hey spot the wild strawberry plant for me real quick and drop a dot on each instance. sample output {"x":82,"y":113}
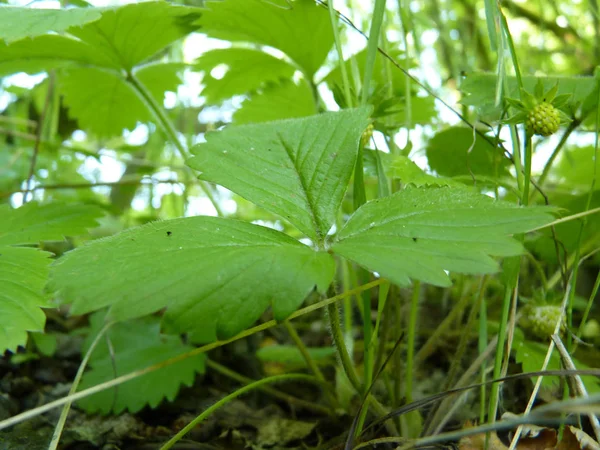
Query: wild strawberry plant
{"x":298,"y":156}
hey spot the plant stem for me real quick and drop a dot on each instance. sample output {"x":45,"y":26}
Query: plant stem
{"x":268,"y":390}
{"x":338,"y":339}
{"x":67,"y":406}
{"x":338,"y":47}
{"x":255,"y":385}
{"x":372,"y":46}
{"x":528,"y":150}
{"x":412,"y":332}
{"x":169,"y":129}
{"x":310,"y":362}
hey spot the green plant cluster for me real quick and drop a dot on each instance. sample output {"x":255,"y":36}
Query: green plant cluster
{"x":316,"y":201}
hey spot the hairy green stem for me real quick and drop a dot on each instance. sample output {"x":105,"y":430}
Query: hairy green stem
{"x":338,"y":339}
{"x":169,"y":129}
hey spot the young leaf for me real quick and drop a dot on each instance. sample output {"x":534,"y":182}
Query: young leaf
{"x":246,"y":70}
{"x":296,"y":168}
{"x":24,"y":270}
{"x":22,"y":22}
{"x":284,"y":100}
{"x":216,"y":276}
{"x":136,"y":345}
{"x":302,"y":31}
{"x":419,"y":233}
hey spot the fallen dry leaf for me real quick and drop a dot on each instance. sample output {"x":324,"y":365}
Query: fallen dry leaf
{"x":533,"y":438}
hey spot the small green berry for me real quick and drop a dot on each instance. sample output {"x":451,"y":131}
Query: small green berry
{"x":543,"y":119}
{"x":366,"y":136}
{"x":541,"y":320}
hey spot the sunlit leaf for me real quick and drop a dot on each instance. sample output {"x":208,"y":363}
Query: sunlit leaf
{"x":302,"y":30}
{"x":213,"y":275}
{"x":420,"y":233}
{"x":296,"y":168}
{"x":21,"y":22}
{"x":131,"y":34}
{"x":284,"y":100}
{"x":245,"y":70}
{"x":108,"y":108}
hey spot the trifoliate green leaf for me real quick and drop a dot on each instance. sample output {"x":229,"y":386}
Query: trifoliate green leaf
{"x":93,"y":68}
{"x":246,"y":70}
{"x":301,"y":29}
{"x":136,"y":345}
{"x":420,"y":233}
{"x":24,"y":270}
{"x":213,"y":275}
{"x":296,"y":168}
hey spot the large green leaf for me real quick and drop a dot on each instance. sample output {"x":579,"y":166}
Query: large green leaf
{"x":297,"y":168}
{"x":24,"y":270}
{"x":247,"y":70}
{"x":135,"y":345}
{"x":18,"y":23}
{"x":131,"y":34}
{"x":420,"y":233}
{"x":48,"y":52}
{"x":300,"y":29}
{"x":458,"y":151}
{"x":215,"y":276}
{"x":284,"y":100}
{"x":107,"y":108}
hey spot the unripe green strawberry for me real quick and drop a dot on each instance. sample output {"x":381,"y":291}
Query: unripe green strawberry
{"x":366,"y":136}
{"x":541,"y":320}
{"x":543,"y":119}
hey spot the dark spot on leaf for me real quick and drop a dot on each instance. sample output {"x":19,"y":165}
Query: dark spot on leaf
{"x":169,"y":233}
{"x":414,"y":239}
